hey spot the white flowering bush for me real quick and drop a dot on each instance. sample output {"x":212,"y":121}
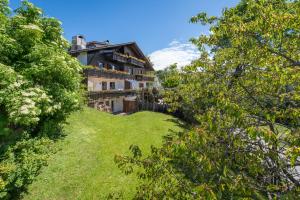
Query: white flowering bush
{"x":40,"y":85}
{"x":24,"y":105}
{"x":39,"y":82}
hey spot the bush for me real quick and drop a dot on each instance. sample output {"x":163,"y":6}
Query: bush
{"x":39,"y":80}
{"x":21,"y":163}
{"x":40,"y":85}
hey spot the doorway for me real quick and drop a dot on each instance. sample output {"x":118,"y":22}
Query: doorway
{"x":112,"y":106}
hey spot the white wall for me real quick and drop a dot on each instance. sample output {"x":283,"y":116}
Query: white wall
{"x":136,"y":84}
{"x":120,"y":84}
{"x":90,"y":85}
{"x":95,"y":84}
{"x":118,"y":104}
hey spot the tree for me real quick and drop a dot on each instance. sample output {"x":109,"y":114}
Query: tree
{"x":40,"y":82}
{"x":245,"y":105}
{"x":169,"y":77}
{"x":40,"y":85}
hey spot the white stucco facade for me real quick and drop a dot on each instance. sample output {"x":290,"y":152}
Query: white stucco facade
{"x":112,"y":104}
{"x":95,"y":84}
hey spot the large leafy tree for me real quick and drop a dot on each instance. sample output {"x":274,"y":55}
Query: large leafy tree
{"x":243,"y":95}
{"x":39,"y":81}
{"x":167,"y":77}
{"x":40,"y":84}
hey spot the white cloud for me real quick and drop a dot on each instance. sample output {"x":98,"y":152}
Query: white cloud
{"x":177,"y":52}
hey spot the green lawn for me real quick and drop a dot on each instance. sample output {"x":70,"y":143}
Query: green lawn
{"x":84,"y":167}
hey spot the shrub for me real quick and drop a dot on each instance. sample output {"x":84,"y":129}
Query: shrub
{"x":39,"y":80}
{"x":40,"y":85}
{"x":20,"y":164}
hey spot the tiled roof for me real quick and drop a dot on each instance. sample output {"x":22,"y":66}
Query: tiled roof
{"x":107,"y":46}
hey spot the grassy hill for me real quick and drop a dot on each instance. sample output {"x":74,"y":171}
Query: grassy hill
{"x":84,"y":167}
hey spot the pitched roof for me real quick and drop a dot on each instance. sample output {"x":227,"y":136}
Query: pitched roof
{"x":104,"y":46}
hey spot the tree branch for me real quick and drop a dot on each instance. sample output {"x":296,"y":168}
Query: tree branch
{"x":294,"y":63}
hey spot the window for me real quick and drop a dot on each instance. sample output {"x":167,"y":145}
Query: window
{"x":112,"y":85}
{"x":141,"y":85}
{"x":104,"y":86}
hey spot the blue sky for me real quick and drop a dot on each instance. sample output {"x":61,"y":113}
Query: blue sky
{"x":154,"y":24}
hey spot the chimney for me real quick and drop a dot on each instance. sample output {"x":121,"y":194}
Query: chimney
{"x":78,"y":42}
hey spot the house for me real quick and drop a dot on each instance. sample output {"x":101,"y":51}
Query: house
{"x":116,"y":73}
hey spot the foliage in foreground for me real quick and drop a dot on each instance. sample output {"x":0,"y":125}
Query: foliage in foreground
{"x":243,"y":97}
{"x":40,"y":82}
{"x":39,"y":87}
{"x":21,"y":164}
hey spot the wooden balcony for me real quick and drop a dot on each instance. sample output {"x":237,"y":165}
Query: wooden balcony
{"x":136,"y":62}
{"x":141,"y":77}
{"x":118,"y":57}
{"x":148,"y":78}
{"x":107,"y":74}
{"x":93,"y":96}
{"x":150,"y":73}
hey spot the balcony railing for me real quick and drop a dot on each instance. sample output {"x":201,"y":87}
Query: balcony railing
{"x":148,"y":78}
{"x":92,"y":96}
{"x":108,"y":74}
{"x":150,"y":73}
{"x":114,"y":74}
{"x":136,"y":62}
{"x":142,"y":77}
{"x":122,"y":58}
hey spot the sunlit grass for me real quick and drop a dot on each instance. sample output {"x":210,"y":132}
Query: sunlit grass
{"x":84,"y":168}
